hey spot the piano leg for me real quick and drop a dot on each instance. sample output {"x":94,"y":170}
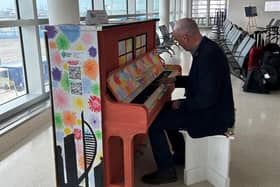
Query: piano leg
{"x":113,"y":161}
{"x":128,"y":161}
{"x":119,"y":160}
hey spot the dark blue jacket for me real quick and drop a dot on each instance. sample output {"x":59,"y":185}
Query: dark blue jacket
{"x":209,"y":103}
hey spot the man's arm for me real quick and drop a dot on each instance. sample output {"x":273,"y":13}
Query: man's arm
{"x":208,"y":86}
{"x":181,"y":81}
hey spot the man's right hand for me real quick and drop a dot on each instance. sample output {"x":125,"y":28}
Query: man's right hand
{"x":167,"y":81}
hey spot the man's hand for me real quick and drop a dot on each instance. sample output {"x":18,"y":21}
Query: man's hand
{"x":167,"y":81}
{"x":175,"y":105}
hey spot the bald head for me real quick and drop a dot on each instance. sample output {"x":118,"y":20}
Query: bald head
{"x":186,"y":32}
{"x":186,"y":26}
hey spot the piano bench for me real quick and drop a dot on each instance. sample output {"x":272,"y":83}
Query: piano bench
{"x":207,"y":159}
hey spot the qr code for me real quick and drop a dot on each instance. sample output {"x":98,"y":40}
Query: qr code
{"x":74,"y":72}
{"x":76,"y":88}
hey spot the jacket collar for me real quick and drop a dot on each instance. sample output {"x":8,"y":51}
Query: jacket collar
{"x":196,"y":50}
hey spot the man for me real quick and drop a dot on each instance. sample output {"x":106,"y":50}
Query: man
{"x":208,"y":108}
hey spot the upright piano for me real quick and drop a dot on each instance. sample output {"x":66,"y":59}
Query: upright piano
{"x":132,"y":95}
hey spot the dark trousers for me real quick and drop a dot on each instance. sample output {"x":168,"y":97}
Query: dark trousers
{"x":170,"y":121}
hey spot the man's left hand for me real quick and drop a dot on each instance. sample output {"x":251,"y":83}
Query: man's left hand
{"x":175,"y":105}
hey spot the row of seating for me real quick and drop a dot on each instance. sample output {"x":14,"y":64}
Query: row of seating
{"x":236,"y":43}
{"x":268,"y":34}
{"x":165,"y":43}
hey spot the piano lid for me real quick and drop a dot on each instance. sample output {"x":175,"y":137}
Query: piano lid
{"x":128,"y":81}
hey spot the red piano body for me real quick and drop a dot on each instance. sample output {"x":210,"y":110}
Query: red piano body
{"x":123,"y":50}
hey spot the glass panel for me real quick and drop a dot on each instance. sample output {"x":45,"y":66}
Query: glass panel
{"x":115,"y":7}
{"x":8,"y":10}
{"x":217,"y":6}
{"x":140,"y":6}
{"x":42,"y":8}
{"x":44,"y":58}
{"x":156,"y":5}
{"x":84,"y":5}
{"x":199,"y":8}
{"x":12,"y":80}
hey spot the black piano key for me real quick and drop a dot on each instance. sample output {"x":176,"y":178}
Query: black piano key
{"x":144,"y":95}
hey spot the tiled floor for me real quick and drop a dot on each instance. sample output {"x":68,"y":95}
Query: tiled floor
{"x":254,"y":153}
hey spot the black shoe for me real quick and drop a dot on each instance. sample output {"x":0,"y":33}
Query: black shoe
{"x":178,"y":159}
{"x":161,"y":176}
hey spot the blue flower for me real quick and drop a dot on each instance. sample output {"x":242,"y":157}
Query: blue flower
{"x":86,"y":85}
{"x":71,"y":32}
{"x":51,"y":31}
{"x":56,"y":73}
{"x":92,"y":51}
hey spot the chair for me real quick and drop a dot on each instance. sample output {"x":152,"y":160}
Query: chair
{"x":166,"y":36}
{"x":160,"y":47}
{"x":237,"y":62}
{"x":208,"y":159}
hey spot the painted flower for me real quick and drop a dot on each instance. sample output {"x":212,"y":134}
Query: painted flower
{"x":65,"y":83}
{"x":69,"y":118}
{"x":87,"y":38}
{"x":51,"y":31}
{"x":98,"y":134}
{"x":80,"y":47}
{"x":79,"y":103}
{"x":52,"y":45}
{"x":94,"y":103}
{"x":60,"y":99}
{"x":95,"y":89}
{"x":77,"y":134}
{"x":62,"y":42}
{"x":94,"y":121}
{"x":58,"y":120}
{"x":79,"y":122}
{"x":56,"y":58}
{"x":67,"y":131}
{"x":56,"y":73}
{"x":86,"y":85}
{"x":91,"y":69}
{"x":92,"y":51}
{"x":65,"y":67}
{"x":71,"y":32}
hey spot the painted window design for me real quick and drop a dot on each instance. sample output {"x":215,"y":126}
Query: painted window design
{"x":140,"y":44}
{"x":125,"y":51}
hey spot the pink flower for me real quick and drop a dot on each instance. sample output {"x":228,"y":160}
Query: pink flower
{"x":56,"y":58}
{"x":94,"y":103}
{"x":87,"y":38}
{"x":60,"y":99}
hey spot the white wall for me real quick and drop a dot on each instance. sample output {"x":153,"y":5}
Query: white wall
{"x":236,"y":12}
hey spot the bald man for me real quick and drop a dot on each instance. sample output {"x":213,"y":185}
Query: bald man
{"x":207,"y":110}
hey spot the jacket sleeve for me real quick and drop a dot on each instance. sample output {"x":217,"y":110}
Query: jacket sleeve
{"x":182,"y":81}
{"x":208,"y":85}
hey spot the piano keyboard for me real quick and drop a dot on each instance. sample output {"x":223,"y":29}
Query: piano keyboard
{"x":154,"y":91}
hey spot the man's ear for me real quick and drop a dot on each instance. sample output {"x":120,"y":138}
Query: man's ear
{"x":185,"y":37}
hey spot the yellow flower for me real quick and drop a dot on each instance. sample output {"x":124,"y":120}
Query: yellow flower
{"x":79,"y":122}
{"x":80,"y":47}
{"x":65,"y":66}
{"x":79,"y":103}
{"x":67,"y":131}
